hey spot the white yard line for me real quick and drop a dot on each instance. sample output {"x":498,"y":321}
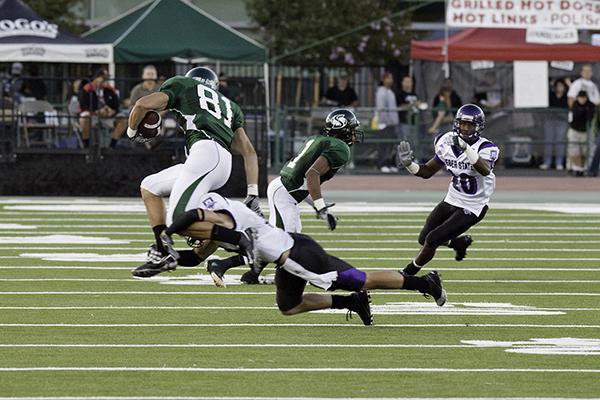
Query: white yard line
{"x":554,"y":281}
{"x":212,"y":308}
{"x":238,"y":370}
{"x":218,"y":292}
{"x":238,"y":345}
{"x":285,"y":398}
{"x":107,"y":259}
{"x":307,"y":325}
{"x":352,"y":249}
{"x":82,"y":267}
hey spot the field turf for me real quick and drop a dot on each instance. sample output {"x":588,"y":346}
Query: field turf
{"x":523,"y":318}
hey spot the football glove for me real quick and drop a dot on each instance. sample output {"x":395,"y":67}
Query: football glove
{"x":253,"y":203}
{"x":456,"y":140}
{"x":325,"y":215}
{"x":405,"y":154}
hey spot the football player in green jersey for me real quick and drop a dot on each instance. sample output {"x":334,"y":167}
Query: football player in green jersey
{"x":213,"y":128}
{"x":319,"y":159}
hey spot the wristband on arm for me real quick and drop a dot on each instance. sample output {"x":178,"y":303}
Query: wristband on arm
{"x":252,"y":190}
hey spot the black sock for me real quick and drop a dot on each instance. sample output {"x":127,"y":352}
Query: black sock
{"x":226,"y":235}
{"x":113,"y":143}
{"x":341,"y":302}
{"x":188,"y":258}
{"x":411,"y":269}
{"x":415,"y":283}
{"x":232,"y":262}
{"x":157,"y":231}
{"x":86,"y":143}
{"x":182,"y":222}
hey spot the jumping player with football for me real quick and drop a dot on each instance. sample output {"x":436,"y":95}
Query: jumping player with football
{"x":213,"y":128}
{"x":299,"y":259}
{"x":300,"y":179}
{"x":470,"y":159}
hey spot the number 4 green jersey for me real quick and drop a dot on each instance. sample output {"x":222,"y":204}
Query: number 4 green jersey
{"x":336,"y":151}
{"x":202,"y":112}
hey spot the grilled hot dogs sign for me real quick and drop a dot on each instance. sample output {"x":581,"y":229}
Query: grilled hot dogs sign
{"x":579,"y":14}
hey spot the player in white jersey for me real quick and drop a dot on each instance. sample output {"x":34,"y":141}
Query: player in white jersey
{"x":299,"y":260}
{"x":470,"y":159}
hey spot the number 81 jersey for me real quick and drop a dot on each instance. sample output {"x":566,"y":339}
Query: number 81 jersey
{"x":202,"y":112}
{"x":468,"y":189}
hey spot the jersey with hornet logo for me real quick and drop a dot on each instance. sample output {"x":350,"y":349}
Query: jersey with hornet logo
{"x":336,"y":151}
{"x":468,"y":189}
{"x":202,"y":112}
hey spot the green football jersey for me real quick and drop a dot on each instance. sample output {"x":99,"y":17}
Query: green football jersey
{"x":202,"y":112}
{"x":336,"y":151}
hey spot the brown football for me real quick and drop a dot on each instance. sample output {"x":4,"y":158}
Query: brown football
{"x":150,"y":125}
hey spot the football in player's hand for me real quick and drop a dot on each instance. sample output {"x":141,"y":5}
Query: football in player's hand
{"x":150,"y":125}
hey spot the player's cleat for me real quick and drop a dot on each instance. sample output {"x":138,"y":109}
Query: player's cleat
{"x":167,"y":243}
{"x":435,"y":289}
{"x":156,"y":263}
{"x":246,"y":245}
{"x":250,"y":278}
{"x":217,"y":272}
{"x":460,"y":246}
{"x":361,"y":306}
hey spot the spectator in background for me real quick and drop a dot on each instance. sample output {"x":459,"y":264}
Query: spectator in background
{"x":444,"y":104}
{"x":340,"y":95}
{"x":580,"y":115}
{"x":73,"y":106}
{"x":584,"y":84}
{"x":100,"y":104}
{"x":231,"y":92}
{"x":146,"y":87}
{"x":386,"y":112}
{"x":556,"y":126}
{"x":14,"y":86}
{"x":34,"y":86}
{"x":407,"y":102}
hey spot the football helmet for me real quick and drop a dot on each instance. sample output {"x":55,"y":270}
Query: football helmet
{"x":343,"y":124}
{"x":469,"y":122}
{"x":204,"y":75}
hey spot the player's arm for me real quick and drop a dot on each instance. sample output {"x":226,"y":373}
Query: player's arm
{"x":406,"y":159}
{"x":313,"y":183}
{"x":155,"y":101}
{"x":480,"y":165}
{"x":242,"y":145}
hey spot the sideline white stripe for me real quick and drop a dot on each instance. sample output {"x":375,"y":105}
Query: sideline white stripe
{"x":242,"y":345}
{"x":555,"y":281}
{"x":400,"y":259}
{"x":207,"y":308}
{"x":91,"y":247}
{"x":188,"y":369}
{"x":217,"y":292}
{"x":291,"y":325}
{"x":362,"y":268}
{"x":292,"y":398}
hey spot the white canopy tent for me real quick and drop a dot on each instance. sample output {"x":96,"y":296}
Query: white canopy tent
{"x":27,"y":37}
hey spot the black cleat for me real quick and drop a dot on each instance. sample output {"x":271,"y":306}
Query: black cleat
{"x":217,"y":272}
{"x":460,"y":245}
{"x":435,"y":289}
{"x":361,"y":306}
{"x":247,"y":249}
{"x":156,"y":263}
{"x":250,"y":278}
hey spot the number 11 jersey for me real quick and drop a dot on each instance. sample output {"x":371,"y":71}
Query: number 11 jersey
{"x":468,"y":189}
{"x":202,"y":112}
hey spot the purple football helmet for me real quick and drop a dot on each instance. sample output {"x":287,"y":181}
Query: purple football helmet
{"x":469,"y":122}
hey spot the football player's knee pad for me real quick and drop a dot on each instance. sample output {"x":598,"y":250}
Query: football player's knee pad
{"x":286,"y":303}
{"x":351,"y":279}
{"x":435,"y":239}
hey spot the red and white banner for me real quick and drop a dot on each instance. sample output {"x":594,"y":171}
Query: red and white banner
{"x":578,"y":14}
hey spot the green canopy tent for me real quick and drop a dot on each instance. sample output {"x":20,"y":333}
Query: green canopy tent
{"x":159,"y":30}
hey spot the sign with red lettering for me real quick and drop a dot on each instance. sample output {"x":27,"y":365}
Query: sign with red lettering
{"x":578,"y":14}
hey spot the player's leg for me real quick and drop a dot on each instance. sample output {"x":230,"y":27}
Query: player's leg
{"x":120,"y":126}
{"x":85,"y":123}
{"x":438,"y":216}
{"x":449,"y":233}
{"x":207,"y":168}
{"x":429,"y":284}
{"x":284,"y":211}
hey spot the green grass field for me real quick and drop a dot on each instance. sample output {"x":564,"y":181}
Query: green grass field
{"x":74,"y":323}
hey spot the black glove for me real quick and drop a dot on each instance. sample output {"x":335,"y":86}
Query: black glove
{"x":253,"y":203}
{"x":325,"y":215}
